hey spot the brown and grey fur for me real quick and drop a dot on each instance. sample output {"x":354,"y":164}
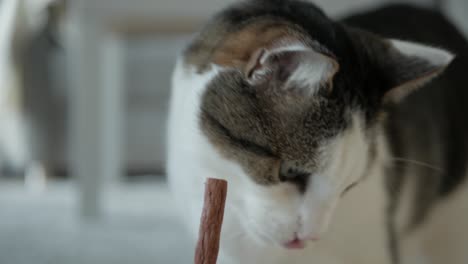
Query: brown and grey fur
{"x":427,"y":133}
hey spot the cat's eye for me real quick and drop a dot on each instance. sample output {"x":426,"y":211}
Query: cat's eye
{"x":292,"y":175}
{"x":289,"y":174}
{"x":253,"y":147}
{"x":241,"y":143}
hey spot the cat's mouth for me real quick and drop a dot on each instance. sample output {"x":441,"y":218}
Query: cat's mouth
{"x":295,"y":243}
{"x":299,"y":243}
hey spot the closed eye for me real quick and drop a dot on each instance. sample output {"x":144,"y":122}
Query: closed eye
{"x":239,"y":142}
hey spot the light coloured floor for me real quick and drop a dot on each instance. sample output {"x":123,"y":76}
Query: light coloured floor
{"x":139,"y":226}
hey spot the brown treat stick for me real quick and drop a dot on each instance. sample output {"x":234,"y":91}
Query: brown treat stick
{"x":211,"y":222}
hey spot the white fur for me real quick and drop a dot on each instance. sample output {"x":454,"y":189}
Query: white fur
{"x":347,"y":164}
{"x":259,"y":220}
{"x":435,"y":56}
{"x":313,"y":70}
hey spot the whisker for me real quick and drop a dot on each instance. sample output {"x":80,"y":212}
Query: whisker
{"x":257,"y":231}
{"x":419,"y":163}
{"x":234,"y":236}
{"x":235,"y":208}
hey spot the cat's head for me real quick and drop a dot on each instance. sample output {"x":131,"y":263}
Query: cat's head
{"x":298,"y":108}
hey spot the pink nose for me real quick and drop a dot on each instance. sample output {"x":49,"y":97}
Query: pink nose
{"x":295,"y":244}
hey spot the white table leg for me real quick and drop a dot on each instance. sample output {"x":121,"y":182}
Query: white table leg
{"x":95,"y":112}
{"x":112,"y":107}
{"x":85,"y":119}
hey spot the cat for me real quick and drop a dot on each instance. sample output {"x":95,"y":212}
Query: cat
{"x":341,"y":141}
{"x":28,"y":30}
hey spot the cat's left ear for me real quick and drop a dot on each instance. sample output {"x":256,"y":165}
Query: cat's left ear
{"x":291,"y":64}
{"x":408,"y":66}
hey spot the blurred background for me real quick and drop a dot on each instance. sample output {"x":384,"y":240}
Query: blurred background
{"x":83,"y":104}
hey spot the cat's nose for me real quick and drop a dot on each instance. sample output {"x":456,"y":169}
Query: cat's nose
{"x":294,"y":175}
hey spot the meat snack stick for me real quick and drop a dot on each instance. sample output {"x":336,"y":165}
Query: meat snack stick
{"x":211,"y":222}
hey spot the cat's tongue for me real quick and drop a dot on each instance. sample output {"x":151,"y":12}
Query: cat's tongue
{"x":295,"y":244}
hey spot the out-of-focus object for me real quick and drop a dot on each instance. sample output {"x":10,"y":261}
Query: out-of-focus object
{"x":457,"y":10}
{"x":25,"y":36}
{"x":35,"y":178}
{"x":13,"y":31}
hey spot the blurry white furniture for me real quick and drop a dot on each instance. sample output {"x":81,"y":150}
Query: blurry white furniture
{"x":95,"y":106}
{"x":95,"y":42}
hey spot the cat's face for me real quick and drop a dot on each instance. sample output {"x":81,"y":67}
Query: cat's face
{"x":303,"y":153}
{"x":301,"y":123}
{"x":294,"y":143}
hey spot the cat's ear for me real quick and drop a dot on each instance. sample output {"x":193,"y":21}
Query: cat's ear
{"x":408,"y":66}
{"x":291,"y":66}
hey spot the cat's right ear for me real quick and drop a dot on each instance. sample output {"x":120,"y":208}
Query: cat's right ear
{"x":399,"y":67}
{"x":408,"y":66}
{"x":291,"y":66}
